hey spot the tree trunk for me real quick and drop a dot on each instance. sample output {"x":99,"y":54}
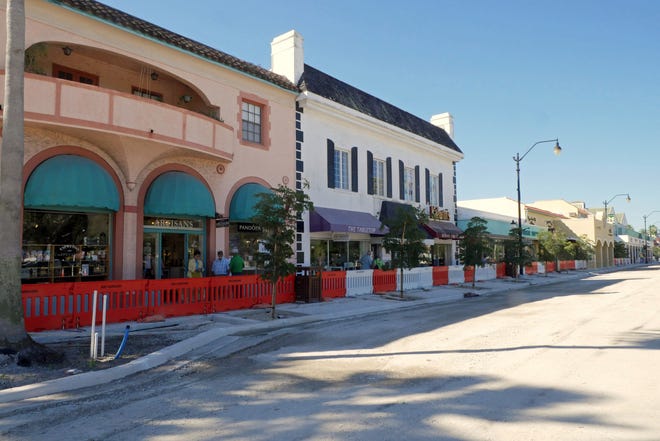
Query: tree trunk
{"x":12,"y":327}
{"x":273,"y":300}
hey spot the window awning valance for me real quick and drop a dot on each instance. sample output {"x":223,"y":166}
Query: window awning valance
{"x":178,"y":194}
{"x":67,"y":182}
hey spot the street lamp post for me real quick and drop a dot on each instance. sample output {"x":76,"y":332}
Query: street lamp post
{"x":646,"y":241}
{"x":611,"y":199}
{"x":518,"y":158}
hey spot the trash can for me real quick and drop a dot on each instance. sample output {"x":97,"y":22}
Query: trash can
{"x":308,"y":285}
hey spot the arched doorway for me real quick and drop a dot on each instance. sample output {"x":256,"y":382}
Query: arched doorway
{"x":176,"y":208}
{"x":244,"y":236}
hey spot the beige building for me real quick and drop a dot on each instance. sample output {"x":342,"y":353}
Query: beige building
{"x":583,"y":222}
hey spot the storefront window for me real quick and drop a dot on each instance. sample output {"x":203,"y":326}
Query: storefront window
{"x":59,"y":247}
{"x":245,"y":239}
{"x":335,"y":255}
{"x":319,"y":252}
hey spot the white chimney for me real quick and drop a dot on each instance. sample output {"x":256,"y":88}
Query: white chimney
{"x":444,"y":121}
{"x":287,"y":56}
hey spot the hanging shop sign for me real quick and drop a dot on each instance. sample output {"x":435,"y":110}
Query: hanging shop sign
{"x":244,"y":227}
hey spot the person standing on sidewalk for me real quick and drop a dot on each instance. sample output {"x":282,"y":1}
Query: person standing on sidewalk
{"x":220,"y":265}
{"x":236,"y":263}
{"x":195,"y":265}
{"x":366,"y":261}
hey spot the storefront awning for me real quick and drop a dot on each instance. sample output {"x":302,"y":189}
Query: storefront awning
{"x":242,"y":204}
{"x":178,"y":194}
{"x":389,"y":209}
{"x":442,"y":229}
{"x":344,"y":221}
{"x":70,"y":182}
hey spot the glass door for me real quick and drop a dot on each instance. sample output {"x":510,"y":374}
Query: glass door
{"x":173,"y":255}
{"x":151,"y":262}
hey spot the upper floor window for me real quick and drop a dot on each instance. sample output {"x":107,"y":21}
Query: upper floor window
{"x":434,"y":191}
{"x":66,"y":73}
{"x":251,"y":115}
{"x":342,"y":167}
{"x":144,"y":93}
{"x":409,"y":184}
{"x":378,"y":177}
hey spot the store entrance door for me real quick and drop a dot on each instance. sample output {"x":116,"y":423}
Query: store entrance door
{"x":169,"y":244}
{"x":173,"y":249}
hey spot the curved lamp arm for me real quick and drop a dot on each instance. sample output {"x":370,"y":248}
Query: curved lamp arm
{"x":557,"y":149}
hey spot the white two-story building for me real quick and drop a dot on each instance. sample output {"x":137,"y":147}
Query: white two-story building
{"x":362,"y":157}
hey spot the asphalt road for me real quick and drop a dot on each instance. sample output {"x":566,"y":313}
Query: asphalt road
{"x":572,"y":361}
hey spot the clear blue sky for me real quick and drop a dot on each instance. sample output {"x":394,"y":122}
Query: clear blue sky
{"x":512,"y":72}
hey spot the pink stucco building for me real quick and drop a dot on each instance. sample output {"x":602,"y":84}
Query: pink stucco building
{"x":141,"y":146}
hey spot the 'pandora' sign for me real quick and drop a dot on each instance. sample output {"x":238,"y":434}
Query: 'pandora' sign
{"x":249,"y":228}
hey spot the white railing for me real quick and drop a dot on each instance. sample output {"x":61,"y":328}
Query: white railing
{"x":359,"y":282}
{"x":456,"y":274}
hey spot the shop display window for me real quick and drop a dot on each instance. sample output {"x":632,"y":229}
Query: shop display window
{"x":338,"y":255}
{"x":64,"y":247}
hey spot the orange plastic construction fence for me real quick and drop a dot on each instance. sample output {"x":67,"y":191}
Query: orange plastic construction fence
{"x":469,"y":274}
{"x":384,"y":281}
{"x":333,"y":284}
{"x":532,"y":268}
{"x":51,"y":306}
{"x":566,"y":265}
{"x":440,"y":275}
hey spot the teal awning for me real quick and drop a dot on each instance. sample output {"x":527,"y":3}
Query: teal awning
{"x":178,"y":194}
{"x":70,"y":182}
{"x":502,"y":228}
{"x":243,"y":201}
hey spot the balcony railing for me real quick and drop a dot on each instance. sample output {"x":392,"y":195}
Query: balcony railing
{"x":66,"y":103}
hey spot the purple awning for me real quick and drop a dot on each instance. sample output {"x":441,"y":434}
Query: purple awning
{"x":344,"y":221}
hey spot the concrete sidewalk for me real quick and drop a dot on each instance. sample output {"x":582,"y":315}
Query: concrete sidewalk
{"x":220,"y":329}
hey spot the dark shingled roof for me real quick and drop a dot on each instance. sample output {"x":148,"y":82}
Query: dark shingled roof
{"x":127,"y":21}
{"x":317,"y":82}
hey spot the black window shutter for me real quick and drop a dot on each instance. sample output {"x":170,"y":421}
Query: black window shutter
{"x":417,"y":199}
{"x":370,"y":172}
{"x":354,"y":169}
{"x":440,"y":197}
{"x":388,"y":165}
{"x":331,"y":164}
{"x":402,"y":190}
{"x":427,"y":175}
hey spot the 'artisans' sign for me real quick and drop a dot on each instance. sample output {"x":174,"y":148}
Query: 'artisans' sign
{"x":179,"y":224}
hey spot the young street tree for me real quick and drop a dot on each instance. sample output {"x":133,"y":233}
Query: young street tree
{"x":277,"y":212}
{"x":405,"y":239}
{"x":12,"y":329}
{"x":580,"y":249}
{"x":474,"y":244}
{"x":514,"y":257}
{"x":552,"y":247}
